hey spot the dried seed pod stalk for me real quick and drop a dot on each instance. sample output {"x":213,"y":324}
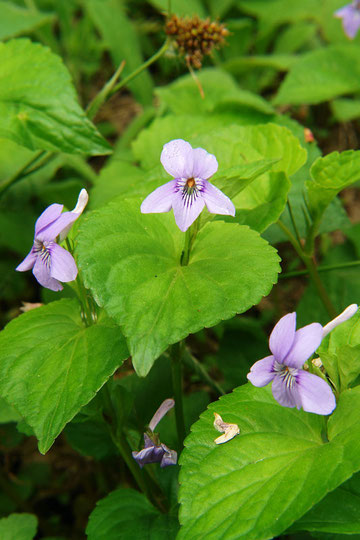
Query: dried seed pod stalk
{"x":195,"y":38}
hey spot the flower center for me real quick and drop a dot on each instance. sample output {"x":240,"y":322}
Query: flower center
{"x":42,"y":251}
{"x":190,"y":182}
{"x":288,"y":374}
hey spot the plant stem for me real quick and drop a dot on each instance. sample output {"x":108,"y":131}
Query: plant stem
{"x":145,"y":483}
{"x":141,"y":68}
{"x":324,"y":297}
{"x":291,"y":214}
{"x":190,"y":236}
{"x":175,"y":354}
{"x":194,"y":364}
{"x":123,"y":446}
{"x":312,"y":270}
{"x":102,"y":96}
{"x":82,"y":293}
{"x":120,"y":441}
{"x":325,"y":268}
{"x":185,"y":255}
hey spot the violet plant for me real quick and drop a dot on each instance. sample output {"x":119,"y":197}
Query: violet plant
{"x":190,"y":190}
{"x":136,"y":309}
{"x":49,"y":262}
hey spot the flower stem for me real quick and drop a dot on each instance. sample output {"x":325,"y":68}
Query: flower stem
{"x":82,"y":294}
{"x":195,"y":365}
{"x":324,"y":297}
{"x":325,"y":268}
{"x":291,"y":214}
{"x":102,"y":96}
{"x":141,"y":68}
{"x":312,"y":270}
{"x":176,"y":353}
{"x":118,"y":437}
{"x":190,"y":236}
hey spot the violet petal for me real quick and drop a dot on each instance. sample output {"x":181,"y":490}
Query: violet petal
{"x":160,"y":413}
{"x":261,"y":373}
{"x":42,"y":273}
{"x":49,"y":233}
{"x":177,"y":158}
{"x":287,"y":396}
{"x":48,"y":216}
{"x":282,"y":336}
{"x":169,"y":457}
{"x":315,"y":394}
{"x":216,"y":201}
{"x":144,"y":456}
{"x":159,"y":200}
{"x":28,"y":262}
{"x":351,"y":25}
{"x":350,"y":16}
{"x":307,"y":340}
{"x":205,"y":164}
{"x":186,"y":212}
{"x":62,"y":265}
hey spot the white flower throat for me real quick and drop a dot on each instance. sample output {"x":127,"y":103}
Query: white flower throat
{"x":190,"y":188}
{"x":288,"y":374}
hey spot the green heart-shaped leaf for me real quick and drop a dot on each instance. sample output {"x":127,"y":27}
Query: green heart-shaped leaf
{"x":51,"y":365}
{"x":131,"y":262}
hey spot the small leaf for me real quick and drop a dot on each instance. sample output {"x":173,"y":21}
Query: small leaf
{"x":16,"y":20}
{"x":51,"y":365}
{"x":235,"y":179}
{"x":38,"y":104}
{"x":263,"y":202}
{"x":18,"y":527}
{"x":131,"y":262}
{"x":330,"y":175}
{"x":321,"y":75}
{"x":125,"y":514}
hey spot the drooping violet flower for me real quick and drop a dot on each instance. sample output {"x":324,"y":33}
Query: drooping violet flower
{"x":350,"y":15}
{"x":50,"y":262}
{"x":292,"y":386}
{"x":189,"y":191}
{"x":154,"y":451}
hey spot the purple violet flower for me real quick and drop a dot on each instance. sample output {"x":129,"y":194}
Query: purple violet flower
{"x":50,"y":262}
{"x":154,"y":451}
{"x":350,"y":15}
{"x":292,"y":386}
{"x":189,"y":191}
